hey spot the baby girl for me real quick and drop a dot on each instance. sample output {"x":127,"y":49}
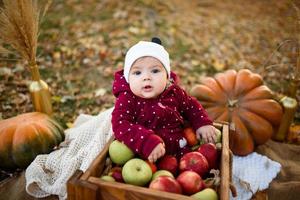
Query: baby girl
{"x":151,"y":109}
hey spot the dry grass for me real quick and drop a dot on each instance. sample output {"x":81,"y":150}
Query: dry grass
{"x":297,"y":72}
{"x":19,"y":22}
{"x":4,"y":51}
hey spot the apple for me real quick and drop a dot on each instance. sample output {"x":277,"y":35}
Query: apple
{"x":136,"y":172}
{"x":207,"y":194}
{"x":203,"y":185}
{"x":194,"y":161}
{"x":190,"y":182}
{"x":152,"y":166}
{"x":219,"y":146}
{"x":190,"y":136}
{"x":167,"y":184}
{"x":218,"y":136}
{"x":162,"y":173}
{"x":107,"y":178}
{"x":168,"y":163}
{"x":116,"y":173}
{"x":119,"y":153}
{"x":210,"y":152}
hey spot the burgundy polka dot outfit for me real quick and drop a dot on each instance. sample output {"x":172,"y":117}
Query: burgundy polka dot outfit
{"x":142,"y":124}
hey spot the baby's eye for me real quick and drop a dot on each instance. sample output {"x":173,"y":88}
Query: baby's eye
{"x":136,"y":72}
{"x":155,"y":71}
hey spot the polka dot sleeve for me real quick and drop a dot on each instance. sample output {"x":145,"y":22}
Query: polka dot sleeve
{"x":193,"y":110}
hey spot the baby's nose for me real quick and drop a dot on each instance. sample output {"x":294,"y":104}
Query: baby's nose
{"x":147,"y":76}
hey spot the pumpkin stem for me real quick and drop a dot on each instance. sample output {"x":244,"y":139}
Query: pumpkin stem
{"x":232,"y":103}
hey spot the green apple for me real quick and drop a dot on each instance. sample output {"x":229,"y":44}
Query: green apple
{"x":219,"y":146}
{"x":207,"y":194}
{"x":136,"y":172}
{"x":162,"y":172}
{"x":119,"y":153}
{"x":219,"y":136}
{"x":107,"y":178}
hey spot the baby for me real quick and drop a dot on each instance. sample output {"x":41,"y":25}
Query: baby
{"x":150,"y":109}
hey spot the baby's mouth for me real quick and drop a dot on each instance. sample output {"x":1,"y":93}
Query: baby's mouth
{"x":147,"y":87}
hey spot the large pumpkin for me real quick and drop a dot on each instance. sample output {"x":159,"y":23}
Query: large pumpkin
{"x":241,"y":98}
{"x":25,"y":136}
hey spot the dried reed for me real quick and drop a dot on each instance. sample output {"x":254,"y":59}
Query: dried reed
{"x":19,"y":22}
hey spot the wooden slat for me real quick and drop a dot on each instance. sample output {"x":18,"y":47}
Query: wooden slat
{"x":219,"y":124}
{"x":78,"y":189}
{"x":87,"y":190}
{"x":97,"y":165}
{"x":72,"y":185}
{"x":120,"y":191}
{"x":225,"y":168}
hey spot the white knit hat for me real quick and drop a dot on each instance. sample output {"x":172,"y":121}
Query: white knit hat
{"x":142,"y":49}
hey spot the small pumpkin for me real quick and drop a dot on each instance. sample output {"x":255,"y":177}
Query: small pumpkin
{"x":25,"y":136}
{"x":240,"y":97}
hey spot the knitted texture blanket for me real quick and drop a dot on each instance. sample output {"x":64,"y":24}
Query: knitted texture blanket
{"x":49,"y":173}
{"x":252,"y":173}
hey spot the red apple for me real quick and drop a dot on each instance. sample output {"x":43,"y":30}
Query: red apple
{"x":194,"y":161}
{"x":162,"y":172}
{"x":168,"y":163}
{"x":190,"y":136}
{"x":167,"y":184}
{"x":190,"y":182}
{"x":116,"y":173}
{"x":210,"y":152}
{"x":152,"y":166}
{"x":203,"y":185}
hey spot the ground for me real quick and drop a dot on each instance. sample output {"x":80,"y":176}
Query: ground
{"x":82,"y":44}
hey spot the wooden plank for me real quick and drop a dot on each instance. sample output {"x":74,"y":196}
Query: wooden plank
{"x":219,"y":124}
{"x":120,"y":191}
{"x":72,"y":184}
{"x":97,"y":165}
{"x":87,"y":190}
{"x":14,"y":188}
{"x":78,"y":189}
{"x":225,"y":168}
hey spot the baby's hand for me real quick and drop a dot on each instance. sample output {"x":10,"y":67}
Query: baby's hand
{"x":207,"y":133}
{"x":157,"y":152}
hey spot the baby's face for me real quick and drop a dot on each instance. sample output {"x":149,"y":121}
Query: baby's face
{"x":147,"y":77}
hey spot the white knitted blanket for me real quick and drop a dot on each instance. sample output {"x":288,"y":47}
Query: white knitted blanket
{"x":48,"y":173}
{"x":252,"y":173}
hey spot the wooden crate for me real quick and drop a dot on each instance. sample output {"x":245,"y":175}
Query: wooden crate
{"x":89,"y":186}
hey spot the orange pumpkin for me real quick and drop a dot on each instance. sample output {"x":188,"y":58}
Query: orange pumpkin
{"x":240,"y":97}
{"x":25,"y":136}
